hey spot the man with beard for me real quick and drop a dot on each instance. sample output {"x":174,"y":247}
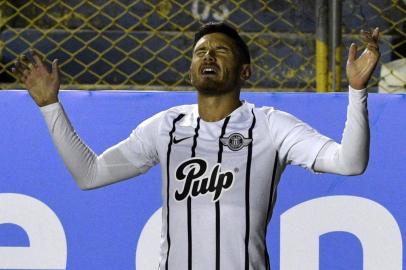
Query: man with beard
{"x":221,"y":159}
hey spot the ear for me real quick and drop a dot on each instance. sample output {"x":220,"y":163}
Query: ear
{"x":245,"y":73}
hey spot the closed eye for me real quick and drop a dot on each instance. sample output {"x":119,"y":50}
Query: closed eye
{"x":200,"y":52}
{"x":222,"y":49}
{"x":219,"y":49}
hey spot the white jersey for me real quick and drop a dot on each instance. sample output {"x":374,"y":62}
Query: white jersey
{"x":219,"y":181}
{"x":219,"y":178}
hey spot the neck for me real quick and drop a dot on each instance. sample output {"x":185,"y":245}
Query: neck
{"x":215,"y":108}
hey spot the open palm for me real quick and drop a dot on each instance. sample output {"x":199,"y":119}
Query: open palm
{"x":359,"y":70}
{"x":42,"y":85}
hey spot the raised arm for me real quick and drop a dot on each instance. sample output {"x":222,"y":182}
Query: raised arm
{"x":88,"y":169}
{"x":351,"y":156}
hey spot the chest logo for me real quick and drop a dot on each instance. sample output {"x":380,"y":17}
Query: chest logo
{"x":235,"y":141}
{"x":193,"y":172}
{"x":176,"y":141}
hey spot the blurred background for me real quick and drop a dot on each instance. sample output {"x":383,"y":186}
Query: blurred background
{"x":297,"y":45}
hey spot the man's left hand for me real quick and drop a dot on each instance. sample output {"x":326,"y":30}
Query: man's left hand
{"x":359,"y":70}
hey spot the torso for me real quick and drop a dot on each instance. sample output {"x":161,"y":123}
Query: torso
{"x":219,"y":181}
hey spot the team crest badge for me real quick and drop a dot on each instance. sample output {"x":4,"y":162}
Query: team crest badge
{"x":235,"y":141}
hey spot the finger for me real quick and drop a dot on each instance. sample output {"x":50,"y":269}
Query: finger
{"x":18,"y":63}
{"x":55,"y":69}
{"x":370,"y":40}
{"x":37,"y":58}
{"x":373,"y":43}
{"x":352,"y":53}
{"x":20,"y":66}
{"x":22,"y":73}
{"x":26,"y":61}
{"x":16,"y":72}
{"x":23,"y":58}
{"x":375,"y":34}
{"x":366,"y":36}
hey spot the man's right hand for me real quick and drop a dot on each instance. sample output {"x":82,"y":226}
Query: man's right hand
{"x":42,"y":85}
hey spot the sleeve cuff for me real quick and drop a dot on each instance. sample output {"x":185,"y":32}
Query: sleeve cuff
{"x":51,"y":107}
{"x":358,"y":96}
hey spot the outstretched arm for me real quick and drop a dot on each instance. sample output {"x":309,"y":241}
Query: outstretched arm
{"x":88,"y":169}
{"x":351,"y":156}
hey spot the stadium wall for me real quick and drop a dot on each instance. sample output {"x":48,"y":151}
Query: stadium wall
{"x":47,"y":222}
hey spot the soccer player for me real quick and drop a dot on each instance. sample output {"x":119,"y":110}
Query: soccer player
{"x":221,"y":158}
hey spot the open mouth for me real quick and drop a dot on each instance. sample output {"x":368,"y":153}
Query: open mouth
{"x":209,"y":70}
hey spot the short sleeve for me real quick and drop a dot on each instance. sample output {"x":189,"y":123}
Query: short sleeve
{"x":297,"y":143}
{"x":140,"y":147}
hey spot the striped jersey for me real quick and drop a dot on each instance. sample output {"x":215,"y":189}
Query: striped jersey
{"x":219,"y":181}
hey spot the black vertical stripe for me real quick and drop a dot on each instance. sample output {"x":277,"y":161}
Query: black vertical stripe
{"x":168,"y":238}
{"x":195,"y":137}
{"x":271,"y":192}
{"x":189,"y":202}
{"x":223,"y":131}
{"x":218,"y":235}
{"x":189,"y":233}
{"x":219,"y":158}
{"x":247,"y":192}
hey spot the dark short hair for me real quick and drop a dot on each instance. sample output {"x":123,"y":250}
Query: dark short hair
{"x":221,"y":27}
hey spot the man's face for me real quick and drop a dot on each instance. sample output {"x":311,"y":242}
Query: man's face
{"x":216,"y":65}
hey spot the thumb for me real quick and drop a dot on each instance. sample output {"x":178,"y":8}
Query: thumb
{"x":55,"y":69}
{"x":352,"y":54}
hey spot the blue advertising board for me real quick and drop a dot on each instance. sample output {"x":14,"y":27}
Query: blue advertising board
{"x":321,"y":221}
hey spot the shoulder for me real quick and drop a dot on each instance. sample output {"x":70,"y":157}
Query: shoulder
{"x":164,"y":121}
{"x":277,"y":117}
{"x":274,"y":119}
{"x":169,"y":114}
